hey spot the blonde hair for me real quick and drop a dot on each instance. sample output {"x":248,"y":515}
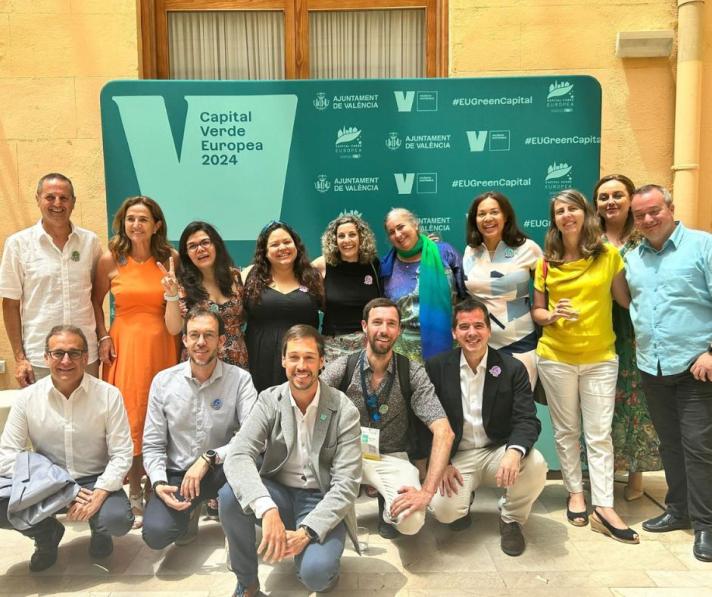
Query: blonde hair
{"x":590,"y":242}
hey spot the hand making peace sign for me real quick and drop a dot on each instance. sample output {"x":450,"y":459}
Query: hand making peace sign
{"x":169,"y":281}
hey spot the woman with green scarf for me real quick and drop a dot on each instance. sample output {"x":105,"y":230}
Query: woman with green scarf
{"x":422,"y":277}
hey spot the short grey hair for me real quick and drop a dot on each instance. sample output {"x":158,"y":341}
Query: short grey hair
{"x":403,"y":212}
{"x":55,"y":176}
{"x":667,"y":196}
{"x":66,"y":329}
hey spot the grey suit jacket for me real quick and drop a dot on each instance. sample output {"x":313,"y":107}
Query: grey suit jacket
{"x":37,"y":490}
{"x":335,"y":457}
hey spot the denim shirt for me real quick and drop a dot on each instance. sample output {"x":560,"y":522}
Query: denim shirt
{"x":671,"y":307}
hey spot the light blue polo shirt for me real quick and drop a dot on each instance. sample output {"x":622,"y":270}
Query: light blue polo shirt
{"x":671,"y":306}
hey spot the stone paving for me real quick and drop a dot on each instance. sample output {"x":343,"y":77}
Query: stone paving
{"x":560,"y":560}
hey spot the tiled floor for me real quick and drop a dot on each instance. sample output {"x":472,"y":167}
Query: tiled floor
{"x":560,"y":560}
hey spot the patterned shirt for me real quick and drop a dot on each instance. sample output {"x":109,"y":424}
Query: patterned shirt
{"x":502,"y":283}
{"x":394,"y":422}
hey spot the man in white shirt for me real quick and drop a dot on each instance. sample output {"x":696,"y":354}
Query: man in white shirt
{"x":493,"y":415}
{"x":303,"y":491}
{"x":46,"y":276}
{"x":194,"y":409}
{"x":79,"y":423}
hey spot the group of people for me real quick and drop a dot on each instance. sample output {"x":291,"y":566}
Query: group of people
{"x":218,"y":386}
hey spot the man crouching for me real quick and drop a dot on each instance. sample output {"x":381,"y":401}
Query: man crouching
{"x":303,"y":491}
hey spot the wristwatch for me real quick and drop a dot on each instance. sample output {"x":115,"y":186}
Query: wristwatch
{"x":211,"y":456}
{"x":310,"y":533}
{"x":157,"y":483}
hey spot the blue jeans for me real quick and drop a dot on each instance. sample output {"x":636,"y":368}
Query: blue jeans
{"x":162,"y":525}
{"x":317,"y":566}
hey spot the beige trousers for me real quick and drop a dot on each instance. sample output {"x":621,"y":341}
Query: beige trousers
{"x":388,"y":475}
{"x":583,"y":392}
{"x":478,"y":468}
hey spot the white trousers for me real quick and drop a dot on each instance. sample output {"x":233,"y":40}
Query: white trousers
{"x":478,"y":467}
{"x":388,"y":475}
{"x":574,"y":392}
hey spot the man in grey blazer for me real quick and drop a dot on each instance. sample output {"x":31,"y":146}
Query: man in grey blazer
{"x":303,"y":491}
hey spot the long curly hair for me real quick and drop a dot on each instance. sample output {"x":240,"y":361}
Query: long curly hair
{"x":590,"y":242}
{"x":512,"y":236}
{"x":120,"y":244}
{"x":260,"y":275}
{"x":191,"y":278}
{"x":366,"y":240}
{"x":629,"y":225}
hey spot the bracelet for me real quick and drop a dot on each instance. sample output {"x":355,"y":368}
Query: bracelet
{"x":107,"y":337}
{"x":171,"y":299}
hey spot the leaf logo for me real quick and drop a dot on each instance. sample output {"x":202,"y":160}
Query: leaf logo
{"x":557,"y":171}
{"x":559,"y":89}
{"x":346,"y":135}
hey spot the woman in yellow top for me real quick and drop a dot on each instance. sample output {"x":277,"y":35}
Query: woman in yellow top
{"x":574,"y":287}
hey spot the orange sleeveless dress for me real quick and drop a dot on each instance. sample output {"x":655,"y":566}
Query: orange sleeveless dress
{"x":143,"y":345}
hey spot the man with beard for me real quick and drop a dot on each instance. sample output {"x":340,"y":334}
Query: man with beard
{"x":374,"y":380}
{"x":295,"y":466}
{"x":194,"y":409}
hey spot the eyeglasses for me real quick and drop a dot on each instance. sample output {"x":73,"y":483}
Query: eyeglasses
{"x":58,"y":355}
{"x":203,"y":244}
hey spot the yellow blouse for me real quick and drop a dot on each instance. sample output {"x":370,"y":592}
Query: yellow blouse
{"x":587,"y":284}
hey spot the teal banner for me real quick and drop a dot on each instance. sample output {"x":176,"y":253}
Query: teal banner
{"x":241,"y":153}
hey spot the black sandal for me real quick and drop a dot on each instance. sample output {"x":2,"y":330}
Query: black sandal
{"x":578,"y":519}
{"x":600,"y":525}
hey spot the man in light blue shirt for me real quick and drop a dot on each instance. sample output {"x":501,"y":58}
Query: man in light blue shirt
{"x":670,"y":280}
{"x":194,"y":409}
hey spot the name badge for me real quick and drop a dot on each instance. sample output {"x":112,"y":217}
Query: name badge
{"x":370,"y":438}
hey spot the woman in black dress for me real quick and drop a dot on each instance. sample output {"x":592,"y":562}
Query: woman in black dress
{"x":282,"y":289}
{"x":350,"y":269}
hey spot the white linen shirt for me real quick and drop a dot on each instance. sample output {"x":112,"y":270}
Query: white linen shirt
{"x":54,"y":285}
{"x":86,"y":434}
{"x":472,"y":384}
{"x":296,"y":471}
{"x":186,"y":418}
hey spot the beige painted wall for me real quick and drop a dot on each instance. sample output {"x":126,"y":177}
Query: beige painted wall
{"x":55,"y":55}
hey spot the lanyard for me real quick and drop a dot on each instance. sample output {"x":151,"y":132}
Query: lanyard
{"x":375,"y":404}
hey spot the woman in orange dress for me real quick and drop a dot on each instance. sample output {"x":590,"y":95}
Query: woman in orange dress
{"x":138,"y":345}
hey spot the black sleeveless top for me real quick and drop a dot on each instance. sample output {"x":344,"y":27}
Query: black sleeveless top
{"x":348,"y":287}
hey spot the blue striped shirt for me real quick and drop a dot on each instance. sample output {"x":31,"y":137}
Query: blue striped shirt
{"x":671,"y":305}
